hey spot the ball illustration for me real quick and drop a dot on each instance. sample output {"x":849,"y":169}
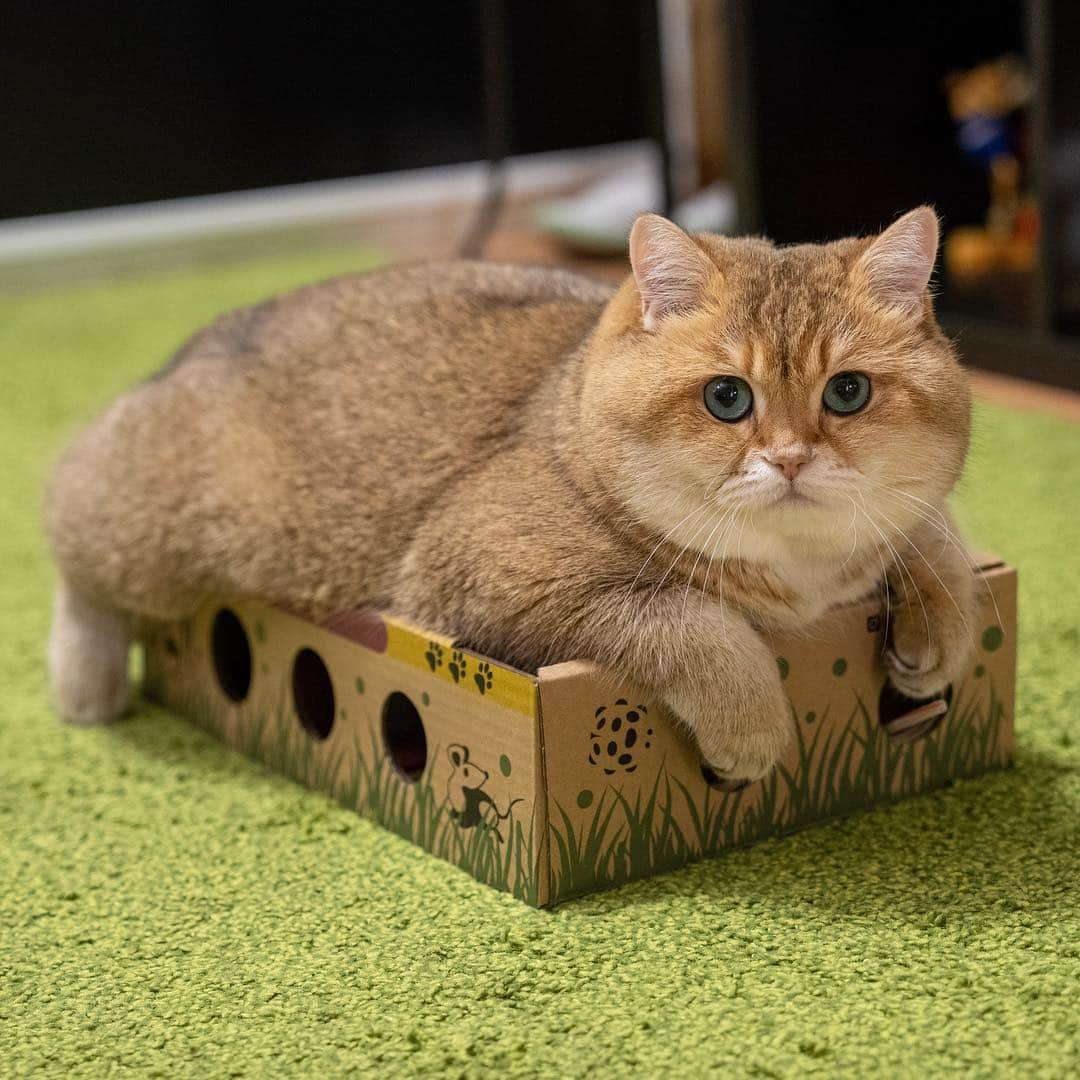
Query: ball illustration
{"x":620,"y":734}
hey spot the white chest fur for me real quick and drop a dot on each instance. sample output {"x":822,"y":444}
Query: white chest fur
{"x":816,"y":574}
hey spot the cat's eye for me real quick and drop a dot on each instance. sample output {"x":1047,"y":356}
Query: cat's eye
{"x":728,"y":398}
{"x":847,"y":392}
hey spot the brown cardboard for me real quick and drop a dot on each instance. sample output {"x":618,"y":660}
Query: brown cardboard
{"x":556,"y":784}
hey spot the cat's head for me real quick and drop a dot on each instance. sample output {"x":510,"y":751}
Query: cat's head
{"x":788,"y":389}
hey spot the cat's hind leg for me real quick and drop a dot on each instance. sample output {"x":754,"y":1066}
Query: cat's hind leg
{"x":88,"y":658}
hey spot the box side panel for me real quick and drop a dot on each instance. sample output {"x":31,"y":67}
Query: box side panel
{"x":627,"y":795}
{"x":446,"y":760}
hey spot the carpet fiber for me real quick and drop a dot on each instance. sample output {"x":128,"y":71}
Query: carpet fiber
{"x":169,"y":908}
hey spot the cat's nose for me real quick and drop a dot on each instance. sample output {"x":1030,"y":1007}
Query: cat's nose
{"x":789,"y":462}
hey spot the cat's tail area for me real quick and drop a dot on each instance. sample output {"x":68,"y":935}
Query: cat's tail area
{"x":112,"y":517}
{"x":88,"y":658}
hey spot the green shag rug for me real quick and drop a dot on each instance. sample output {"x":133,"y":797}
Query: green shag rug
{"x":169,"y":909}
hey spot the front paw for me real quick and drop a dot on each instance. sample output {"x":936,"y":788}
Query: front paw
{"x":740,"y":739}
{"x":926,"y":651}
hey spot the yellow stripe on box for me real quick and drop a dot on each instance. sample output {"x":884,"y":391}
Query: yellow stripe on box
{"x":485,"y":678}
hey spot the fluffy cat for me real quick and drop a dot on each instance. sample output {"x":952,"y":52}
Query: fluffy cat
{"x":736,"y":440}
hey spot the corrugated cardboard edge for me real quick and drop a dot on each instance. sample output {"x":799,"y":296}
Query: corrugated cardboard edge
{"x":543,"y":810}
{"x":547,"y":678}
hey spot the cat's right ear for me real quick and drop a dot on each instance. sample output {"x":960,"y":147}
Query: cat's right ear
{"x":671,"y":272}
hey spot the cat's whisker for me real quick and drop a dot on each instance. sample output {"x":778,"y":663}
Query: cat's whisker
{"x":742,"y":528}
{"x":893,"y":554}
{"x":854,"y":532}
{"x":933,"y":516}
{"x":701,"y":552}
{"x":938,"y":578}
{"x":936,"y":521}
{"x":660,"y":543}
{"x":721,"y":540}
{"x":708,"y":572}
{"x":930,"y":514}
{"x":898,"y":562}
{"x":934,"y":510}
{"x":723,"y":568}
{"x":885,"y":587}
{"x":950,"y":539}
{"x":675,"y":562}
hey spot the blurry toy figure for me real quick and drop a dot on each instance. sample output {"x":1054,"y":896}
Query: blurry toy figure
{"x":986,"y":103}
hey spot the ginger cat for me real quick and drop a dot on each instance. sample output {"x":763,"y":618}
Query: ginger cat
{"x":738,"y":439}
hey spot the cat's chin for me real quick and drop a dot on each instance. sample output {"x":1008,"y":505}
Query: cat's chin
{"x":799,"y":516}
{"x":792,"y":499}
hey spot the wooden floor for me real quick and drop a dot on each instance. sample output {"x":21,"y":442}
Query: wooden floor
{"x":1024,"y":394}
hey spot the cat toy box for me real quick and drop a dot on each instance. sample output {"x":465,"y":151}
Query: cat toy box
{"x":556,"y":783}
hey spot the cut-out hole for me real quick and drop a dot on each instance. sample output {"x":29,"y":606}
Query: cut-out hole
{"x":404,"y":736}
{"x":907,"y":720}
{"x":720,"y":783}
{"x":231,"y":653}
{"x":313,"y":694}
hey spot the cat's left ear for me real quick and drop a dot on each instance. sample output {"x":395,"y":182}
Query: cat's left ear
{"x":671,"y":272}
{"x":897,"y":265}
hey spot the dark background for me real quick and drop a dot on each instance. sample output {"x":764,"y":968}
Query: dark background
{"x":848,"y":116}
{"x":123,"y":102}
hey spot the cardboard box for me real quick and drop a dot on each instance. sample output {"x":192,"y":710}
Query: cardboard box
{"x":553,"y":784}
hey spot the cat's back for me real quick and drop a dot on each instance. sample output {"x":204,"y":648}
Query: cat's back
{"x":416,"y":321}
{"x":356,"y":406}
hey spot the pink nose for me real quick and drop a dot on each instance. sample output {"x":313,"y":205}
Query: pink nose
{"x":789,"y":462}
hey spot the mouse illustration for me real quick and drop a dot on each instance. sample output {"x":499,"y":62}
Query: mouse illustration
{"x":470,"y":805}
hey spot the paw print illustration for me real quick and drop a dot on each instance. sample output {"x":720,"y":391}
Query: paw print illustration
{"x":434,"y":655}
{"x":457,"y":667}
{"x":484,"y":677}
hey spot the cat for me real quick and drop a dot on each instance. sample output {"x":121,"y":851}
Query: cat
{"x":734,"y":441}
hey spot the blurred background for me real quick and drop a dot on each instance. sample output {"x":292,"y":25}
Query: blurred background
{"x":141,"y":136}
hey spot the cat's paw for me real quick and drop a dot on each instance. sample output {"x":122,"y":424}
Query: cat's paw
{"x":742,"y":742}
{"x":926,"y":650}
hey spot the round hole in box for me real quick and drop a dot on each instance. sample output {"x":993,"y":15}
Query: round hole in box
{"x":404,"y":736}
{"x":720,"y":783}
{"x":231,"y":653}
{"x":313,"y":694}
{"x":907,"y":719}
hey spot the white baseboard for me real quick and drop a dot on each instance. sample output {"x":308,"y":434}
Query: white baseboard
{"x":84,"y":232}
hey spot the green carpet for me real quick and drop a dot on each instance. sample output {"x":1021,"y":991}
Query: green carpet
{"x":168,"y":908}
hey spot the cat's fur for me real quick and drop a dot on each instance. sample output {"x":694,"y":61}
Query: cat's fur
{"x":521,"y":458}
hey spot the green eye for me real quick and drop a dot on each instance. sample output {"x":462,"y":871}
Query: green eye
{"x":728,"y":398}
{"x":847,"y":392}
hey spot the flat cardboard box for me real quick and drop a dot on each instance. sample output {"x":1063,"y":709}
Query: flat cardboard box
{"x":554,"y":784}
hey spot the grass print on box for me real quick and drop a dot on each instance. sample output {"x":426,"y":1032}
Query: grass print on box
{"x":552,"y":785}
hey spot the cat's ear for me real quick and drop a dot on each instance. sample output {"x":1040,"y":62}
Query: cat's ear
{"x":671,"y":272}
{"x":897,"y":265}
